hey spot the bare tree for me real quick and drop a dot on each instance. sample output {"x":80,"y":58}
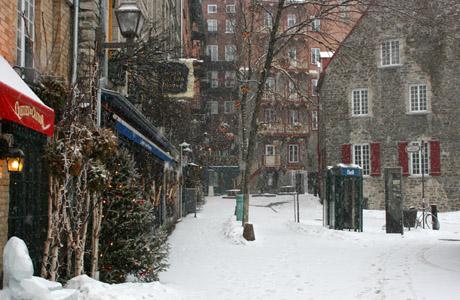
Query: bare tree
{"x":263,"y":37}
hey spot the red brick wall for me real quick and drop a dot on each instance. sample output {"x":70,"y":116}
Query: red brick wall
{"x":8,"y":30}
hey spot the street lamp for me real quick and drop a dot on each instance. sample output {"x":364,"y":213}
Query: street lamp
{"x":14,"y":156}
{"x":130,"y":20}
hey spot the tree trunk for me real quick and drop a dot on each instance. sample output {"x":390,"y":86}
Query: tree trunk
{"x":97,"y":218}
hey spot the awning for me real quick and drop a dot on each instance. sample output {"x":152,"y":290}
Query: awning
{"x":19,"y":104}
{"x":132,"y":134}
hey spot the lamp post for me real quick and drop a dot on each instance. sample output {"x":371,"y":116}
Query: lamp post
{"x":184,"y":148}
{"x":130,"y":21}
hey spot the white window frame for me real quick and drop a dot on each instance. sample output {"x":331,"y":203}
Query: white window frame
{"x":268,"y":20}
{"x":212,"y":8}
{"x":214,"y":78}
{"x":362,"y":157}
{"x":293,"y":153}
{"x":314,"y":85}
{"x":213,"y":52}
{"x":315,"y":24}
{"x":212,"y":25}
{"x":315,"y":56}
{"x":314,"y":120}
{"x":214,"y":107}
{"x":229,"y":26}
{"x":229,"y":107}
{"x":270,"y":84}
{"x":270,"y":150}
{"x":292,"y":92}
{"x":418,"y":98}
{"x":294,"y":117}
{"x":292,"y":54}
{"x":291,"y":20}
{"x":269,"y":115}
{"x":24,"y":31}
{"x":388,"y":53}
{"x":230,"y":8}
{"x":230,"y":52}
{"x":360,"y":102}
{"x":415,"y":162}
{"x":230,"y":79}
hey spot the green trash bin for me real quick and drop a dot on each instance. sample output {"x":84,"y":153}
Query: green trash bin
{"x":239,"y":207}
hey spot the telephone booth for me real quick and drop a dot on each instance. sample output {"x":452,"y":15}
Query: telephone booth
{"x":343,"y":203}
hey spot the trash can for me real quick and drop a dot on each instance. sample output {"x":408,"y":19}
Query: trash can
{"x":409,"y":217}
{"x":239,"y":207}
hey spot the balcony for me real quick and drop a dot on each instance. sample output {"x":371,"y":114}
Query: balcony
{"x":281,"y":129}
{"x":272,"y":160}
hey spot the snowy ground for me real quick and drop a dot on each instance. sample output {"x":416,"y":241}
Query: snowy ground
{"x":210,"y":260}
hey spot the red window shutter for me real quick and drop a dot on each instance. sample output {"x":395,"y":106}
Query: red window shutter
{"x":403,"y":158}
{"x":346,"y":153}
{"x":375,"y":159}
{"x":435,"y":158}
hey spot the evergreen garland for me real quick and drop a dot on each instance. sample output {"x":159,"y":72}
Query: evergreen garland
{"x":129,"y":243}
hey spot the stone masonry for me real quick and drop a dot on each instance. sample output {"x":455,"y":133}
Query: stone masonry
{"x":429,"y":47}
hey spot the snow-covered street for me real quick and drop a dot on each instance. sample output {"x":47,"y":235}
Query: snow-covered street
{"x":210,"y":260}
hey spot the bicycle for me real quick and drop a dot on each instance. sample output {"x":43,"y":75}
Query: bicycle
{"x":427,"y":219}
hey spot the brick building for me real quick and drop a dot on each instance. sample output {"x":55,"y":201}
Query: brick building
{"x":287,"y":136}
{"x":34,"y":39}
{"x":395,"y":83}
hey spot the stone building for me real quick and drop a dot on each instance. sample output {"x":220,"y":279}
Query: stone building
{"x":34,"y":39}
{"x":389,"y":98}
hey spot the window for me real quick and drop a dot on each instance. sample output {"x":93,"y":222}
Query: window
{"x":291,"y":21}
{"x":268,"y":20}
{"x":293,"y":153}
{"x":294,"y":117}
{"x":25,"y":33}
{"x":390,"y":53}
{"x":420,"y":160}
{"x":214,"y":107}
{"x":230,"y":8}
{"x":315,"y":56}
{"x":314,"y":120}
{"x":230,"y":78}
{"x":212,"y":25}
{"x":270,"y":84}
{"x":229,"y":107}
{"x":292,"y":54}
{"x":229,"y":26}
{"x":360,"y":102}
{"x":213,"y":51}
{"x":214,"y":77}
{"x":212,"y":8}
{"x":315,"y":24}
{"x":418,"y":98}
{"x":269,"y":150}
{"x":344,"y":9}
{"x":292,"y":90}
{"x":230,"y":51}
{"x":269,"y":115}
{"x":314,"y":85}
{"x":362,"y":157}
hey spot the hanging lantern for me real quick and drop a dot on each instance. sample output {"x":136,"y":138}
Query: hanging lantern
{"x":15,"y":160}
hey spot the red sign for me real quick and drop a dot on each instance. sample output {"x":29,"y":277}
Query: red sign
{"x":19,"y":108}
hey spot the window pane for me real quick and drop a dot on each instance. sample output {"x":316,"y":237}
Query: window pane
{"x":385,"y":53}
{"x":394,"y":52}
{"x":364,"y":102}
{"x":422,"y":97}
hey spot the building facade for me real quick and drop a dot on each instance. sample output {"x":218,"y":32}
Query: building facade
{"x":288,"y":120}
{"x":389,"y":98}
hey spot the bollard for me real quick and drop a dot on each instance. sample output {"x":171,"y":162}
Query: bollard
{"x":434,"y":217}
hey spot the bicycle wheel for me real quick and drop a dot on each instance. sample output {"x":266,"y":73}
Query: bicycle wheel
{"x":431,"y":221}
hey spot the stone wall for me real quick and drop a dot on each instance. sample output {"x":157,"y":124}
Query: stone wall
{"x":4,"y":208}
{"x":429,"y":54}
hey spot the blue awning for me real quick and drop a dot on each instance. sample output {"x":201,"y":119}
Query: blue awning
{"x":132,"y":134}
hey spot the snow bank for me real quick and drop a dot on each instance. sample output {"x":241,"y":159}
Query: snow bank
{"x":91,"y":289}
{"x":233,"y":231}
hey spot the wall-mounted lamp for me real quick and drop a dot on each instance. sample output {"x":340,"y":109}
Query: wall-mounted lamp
{"x":14,"y":157}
